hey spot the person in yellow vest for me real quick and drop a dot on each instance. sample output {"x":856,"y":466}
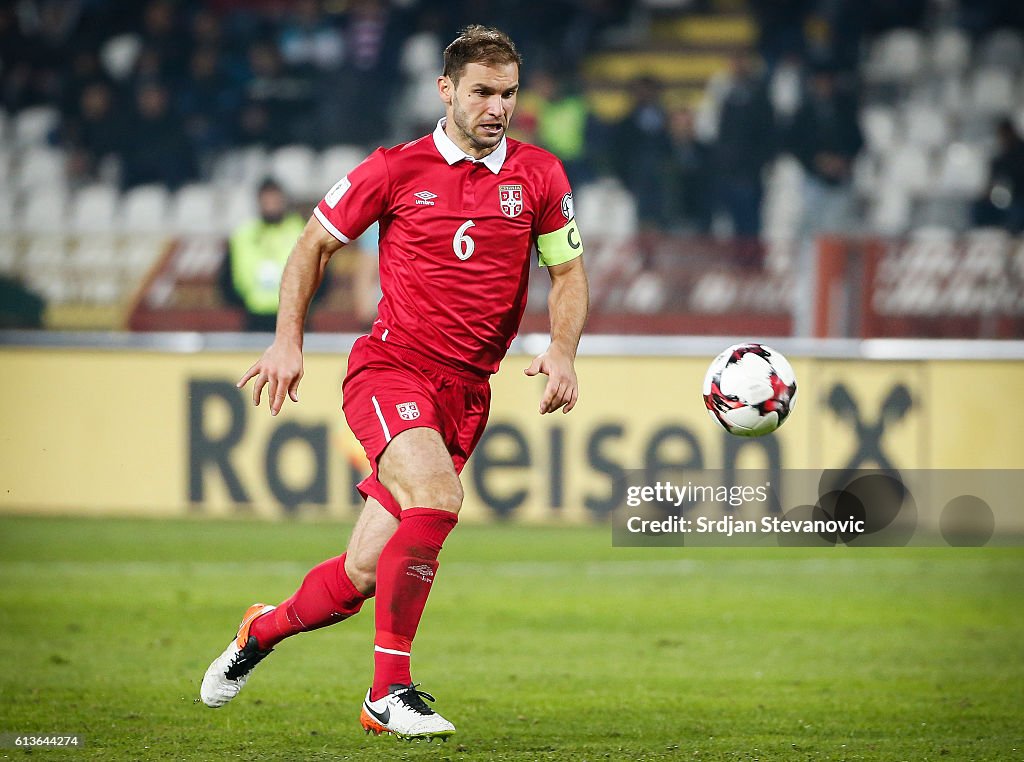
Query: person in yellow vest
{"x":257,"y":252}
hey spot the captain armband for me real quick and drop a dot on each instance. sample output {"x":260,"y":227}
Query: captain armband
{"x":560,"y":245}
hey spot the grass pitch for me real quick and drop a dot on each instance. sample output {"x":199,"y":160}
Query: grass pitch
{"x":540,"y":643}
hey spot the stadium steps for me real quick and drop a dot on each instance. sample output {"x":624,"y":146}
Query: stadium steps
{"x":682,"y":51}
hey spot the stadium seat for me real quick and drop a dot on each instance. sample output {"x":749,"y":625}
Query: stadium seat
{"x":949,"y":51}
{"x":94,"y":209}
{"x":1003,"y":49}
{"x":44,"y":212}
{"x":866,"y":175}
{"x":336,"y":162}
{"x":963,"y":171}
{"x":238,"y":208}
{"x":194,"y":209}
{"x":607,"y":210}
{"x":907,"y":168}
{"x":292,"y":166}
{"x":240,"y":170}
{"x":35,"y":125}
{"x":119,"y":54}
{"x":896,"y":56}
{"x":144,"y":209}
{"x":8,"y":255}
{"x":992,"y":91}
{"x":879,"y":126}
{"x":925,"y":125}
{"x":889,"y":212}
{"x":7,"y":217}
{"x":41,"y":166}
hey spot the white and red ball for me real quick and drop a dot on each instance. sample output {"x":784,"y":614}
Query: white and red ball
{"x":750,"y":389}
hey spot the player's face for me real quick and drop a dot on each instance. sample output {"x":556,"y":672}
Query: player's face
{"x":480,"y":106}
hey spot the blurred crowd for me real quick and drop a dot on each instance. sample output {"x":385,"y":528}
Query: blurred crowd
{"x":162,"y":86}
{"x":152,"y":91}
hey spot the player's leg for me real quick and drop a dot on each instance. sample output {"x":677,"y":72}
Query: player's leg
{"x":417,"y":469}
{"x":331,"y":592}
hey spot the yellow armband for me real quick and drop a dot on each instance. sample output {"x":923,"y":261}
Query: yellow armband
{"x":560,"y":245}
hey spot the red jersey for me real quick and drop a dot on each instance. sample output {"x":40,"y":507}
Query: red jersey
{"x":455,"y":240}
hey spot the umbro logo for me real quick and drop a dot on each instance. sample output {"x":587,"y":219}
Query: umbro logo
{"x":422,"y":571}
{"x":425,"y":197}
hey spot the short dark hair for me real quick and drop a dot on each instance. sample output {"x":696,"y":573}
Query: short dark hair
{"x":269,"y":184}
{"x":482,"y":45}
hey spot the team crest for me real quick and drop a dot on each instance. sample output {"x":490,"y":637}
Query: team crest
{"x":511,"y":199}
{"x":408,"y":411}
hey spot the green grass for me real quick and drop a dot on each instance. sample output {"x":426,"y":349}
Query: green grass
{"x":540,"y":643}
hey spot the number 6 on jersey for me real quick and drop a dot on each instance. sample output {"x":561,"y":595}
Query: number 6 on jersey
{"x":462,"y":244}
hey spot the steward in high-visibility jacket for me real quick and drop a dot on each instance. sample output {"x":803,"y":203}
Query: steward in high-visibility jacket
{"x":257,"y":253}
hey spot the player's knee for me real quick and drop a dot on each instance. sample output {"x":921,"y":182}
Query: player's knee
{"x":361,"y":569}
{"x":443,"y":492}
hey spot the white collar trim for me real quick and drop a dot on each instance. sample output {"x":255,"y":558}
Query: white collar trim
{"x":453,"y":154}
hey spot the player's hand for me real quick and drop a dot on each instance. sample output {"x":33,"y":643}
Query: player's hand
{"x":281,"y":368}
{"x":562,"y":389}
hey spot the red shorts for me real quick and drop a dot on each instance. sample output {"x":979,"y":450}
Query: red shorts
{"x":389,"y":389}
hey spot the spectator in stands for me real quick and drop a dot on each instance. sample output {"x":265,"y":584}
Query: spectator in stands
{"x":207,"y":102}
{"x":309,"y":41}
{"x":162,"y":36}
{"x":744,"y":145}
{"x":780,"y":28}
{"x":1003,"y":204}
{"x":356,"y":101}
{"x":639,"y":146}
{"x":278,"y":101}
{"x":93,"y":132}
{"x":561,"y":122}
{"x":825,"y":137}
{"x":257,"y":252}
{"x":157,"y":150}
{"x":689,"y":184}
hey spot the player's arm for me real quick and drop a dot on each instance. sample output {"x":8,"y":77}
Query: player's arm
{"x":280,"y":367}
{"x":568,"y":304}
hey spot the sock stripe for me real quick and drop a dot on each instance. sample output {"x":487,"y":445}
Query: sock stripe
{"x":391,"y":651}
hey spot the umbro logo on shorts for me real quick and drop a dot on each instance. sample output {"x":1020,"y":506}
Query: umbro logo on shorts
{"x":408,"y":411}
{"x":425,"y":197}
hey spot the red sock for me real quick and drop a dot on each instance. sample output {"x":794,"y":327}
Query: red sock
{"x":405,"y":572}
{"x":325,"y":596}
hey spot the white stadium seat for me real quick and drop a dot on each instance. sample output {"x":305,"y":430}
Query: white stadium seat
{"x":950,"y":51}
{"x":8,"y":255}
{"x":963,"y":171}
{"x":44,"y":212}
{"x":35,"y":125}
{"x":897,"y":56}
{"x":907,"y":167}
{"x":992,"y":91}
{"x":41,"y":166}
{"x":238,"y":208}
{"x":879,"y":126}
{"x":195,"y":210}
{"x":144,"y":209}
{"x":94,"y":209}
{"x":334,"y":163}
{"x":293,"y":167}
{"x":889,"y":213}
{"x":925,"y":125}
{"x":7,"y":215}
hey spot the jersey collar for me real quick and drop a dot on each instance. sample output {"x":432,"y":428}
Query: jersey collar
{"x":453,"y":154}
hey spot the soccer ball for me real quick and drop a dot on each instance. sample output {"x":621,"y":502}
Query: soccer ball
{"x":750,"y":390}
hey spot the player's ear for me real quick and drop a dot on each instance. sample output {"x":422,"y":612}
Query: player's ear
{"x":446,"y":88}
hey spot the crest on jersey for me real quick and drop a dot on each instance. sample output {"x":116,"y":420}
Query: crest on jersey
{"x":408,"y":411}
{"x":511,"y":199}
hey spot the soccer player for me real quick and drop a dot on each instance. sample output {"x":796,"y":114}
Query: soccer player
{"x":459,"y":211}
